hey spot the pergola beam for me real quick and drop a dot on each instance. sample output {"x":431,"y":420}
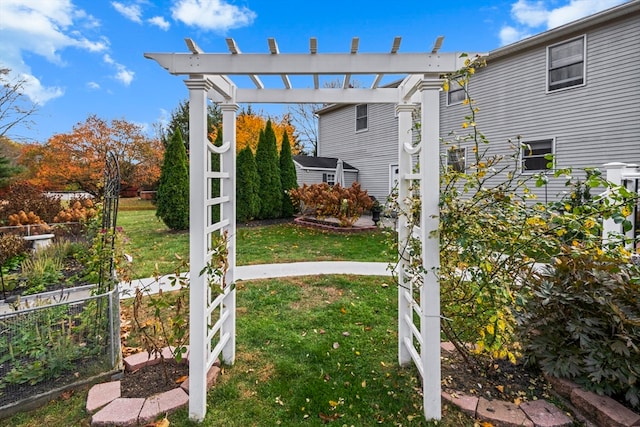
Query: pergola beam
{"x":307,"y":64}
{"x":318,"y":96}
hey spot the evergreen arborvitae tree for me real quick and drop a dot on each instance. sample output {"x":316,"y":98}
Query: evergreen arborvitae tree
{"x":288,"y":177}
{"x":6,"y":170}
{"x":269,"y":171}
{"x":172,"y":198}
{"x":247,"y":186}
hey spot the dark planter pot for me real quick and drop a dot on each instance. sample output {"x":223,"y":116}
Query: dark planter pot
{"x":375,"y":216}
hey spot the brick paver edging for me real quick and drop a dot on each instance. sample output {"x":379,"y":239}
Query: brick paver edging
{"x":113,"y":410}
{"x":589,"y":408}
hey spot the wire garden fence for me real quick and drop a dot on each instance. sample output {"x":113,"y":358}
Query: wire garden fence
{"x":52,"y":347}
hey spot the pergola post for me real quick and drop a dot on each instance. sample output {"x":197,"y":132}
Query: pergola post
{"x":228,"y":189}
{"x":198,"y":296}
{"x":405,"y":288}
{"x":430,"y":217}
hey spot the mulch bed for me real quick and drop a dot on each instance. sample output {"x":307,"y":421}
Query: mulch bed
{"x":501,"y":380}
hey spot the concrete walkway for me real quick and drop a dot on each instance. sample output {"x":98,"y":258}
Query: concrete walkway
{"x":267,"y":271}
{"x":243,"y":272}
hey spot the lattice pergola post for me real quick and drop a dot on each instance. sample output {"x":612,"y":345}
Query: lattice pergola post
{"x":198,"y":88}
{"x":429,"y":223}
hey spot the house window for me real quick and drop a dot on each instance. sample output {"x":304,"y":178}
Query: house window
{"x":456,"y":93}
{"x":456,"y":159}
{"x":361,"y":117}
{"x":329,"y":178}
{"x":566,"y":64}
{"x":533,"y":155}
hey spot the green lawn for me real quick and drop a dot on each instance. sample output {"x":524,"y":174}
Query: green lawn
{"x":155,"y":248}
{"x":310,"y":350}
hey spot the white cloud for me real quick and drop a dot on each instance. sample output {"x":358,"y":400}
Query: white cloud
{"x":531,"y":14}
{"x":43,"y":28}
{"x":577,"y":9}
{"x":132,"y":12}
{"x":510,"y":35}
{"x":542,"y":15}
{"x":122,"y":73}
{"x":37,"y":93}
{"x":93,"y":85}
{"x":160,"y":22}
{"x":215,"y":15}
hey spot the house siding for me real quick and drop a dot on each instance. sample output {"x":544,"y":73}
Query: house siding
{"x":592,"y":124}
{"x":371,"y":151}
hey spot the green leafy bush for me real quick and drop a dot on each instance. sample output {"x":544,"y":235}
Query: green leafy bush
{"x":581,"y":320}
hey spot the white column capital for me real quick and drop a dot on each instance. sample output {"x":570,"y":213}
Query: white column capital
{"x":198,"y":83}
{"x":232,"y":107}
{"x":430,"y":83}
{"x":405,"y":108}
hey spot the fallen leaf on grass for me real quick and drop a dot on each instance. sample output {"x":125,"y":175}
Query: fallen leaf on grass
{"x":66,"y":395}
{"x":500,"y":388}
{"x":162,"y":423}
{"x":336,"y":345}
{"x":328,"y":418}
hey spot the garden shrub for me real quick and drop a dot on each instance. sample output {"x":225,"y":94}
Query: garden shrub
{"x":79,"y":210}
{"x":493,"y":234}
{"x":172,"y":198}
{"x":581,"y":320}
{"x":322,"y":201}
{"x":268,"y":165}
{"x":247,"y":186}
{"x":288,"y":177}
{"x":23,"y":196}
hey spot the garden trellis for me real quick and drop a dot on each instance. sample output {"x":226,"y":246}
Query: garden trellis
{"x":212,"y":314}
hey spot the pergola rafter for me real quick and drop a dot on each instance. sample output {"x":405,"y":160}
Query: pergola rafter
{"x":210,"y":75}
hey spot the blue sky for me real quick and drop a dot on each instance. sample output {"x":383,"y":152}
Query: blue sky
{"x":83,"y":57}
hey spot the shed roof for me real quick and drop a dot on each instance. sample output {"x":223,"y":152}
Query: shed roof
{"x":329,"y":163}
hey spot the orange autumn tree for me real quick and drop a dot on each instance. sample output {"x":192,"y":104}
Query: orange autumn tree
{"x":76,"y":160}
{"x":249,"y":125}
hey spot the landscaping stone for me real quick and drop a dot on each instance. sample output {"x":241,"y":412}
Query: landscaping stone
{"x":120,"y":412}
{"x":447,"y":346}
{"x":162,"y":403}
{"x":212,"y":378}
{"x":101,"y":394}
{"x":562,"y":386}
{"x":467,"y":404}
{"x":502,"y":414}
{"x":140,"y":360}
{"x":604,"y":410}
{"x":544,"y":414}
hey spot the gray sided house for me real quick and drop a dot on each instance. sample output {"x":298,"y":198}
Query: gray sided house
{"x":314,"y":170}
{"x":573,"y":91}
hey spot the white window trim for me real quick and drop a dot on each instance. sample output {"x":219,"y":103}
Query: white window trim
{"x":392,"y":169}
{"x":453,"y":81}
{"x":521,"y":157}
{"x":356,"y":120}
{"x":464,"y":167}
{"x":329,"y":178}
{"x":584,"y":64}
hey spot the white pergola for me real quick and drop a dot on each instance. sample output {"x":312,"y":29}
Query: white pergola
{"x":212,"y":315}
